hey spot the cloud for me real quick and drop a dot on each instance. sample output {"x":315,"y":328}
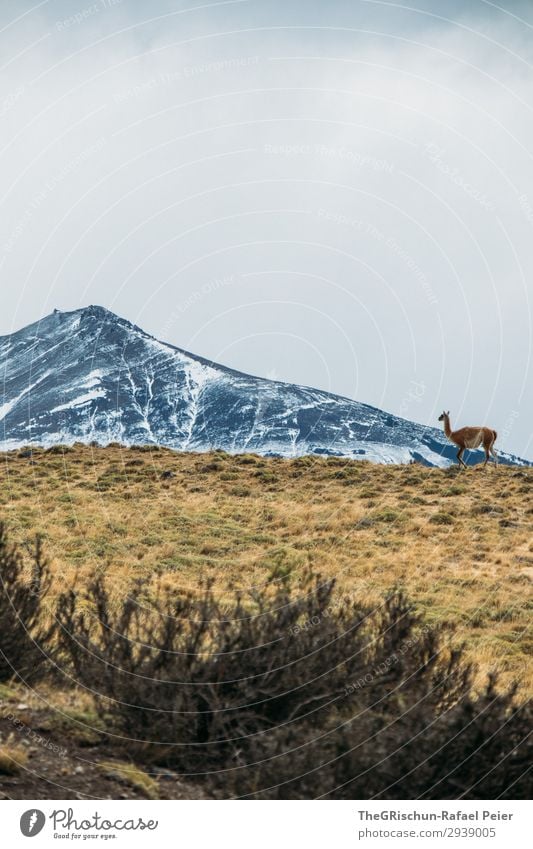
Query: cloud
{"x":360,"y":173}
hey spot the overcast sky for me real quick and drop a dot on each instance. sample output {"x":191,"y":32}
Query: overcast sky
{"x":337,"y":194}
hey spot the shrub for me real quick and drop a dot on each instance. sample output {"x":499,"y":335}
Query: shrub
{"x":214,"y":466}
{"x":22,"y":636}
{"x":486,"y":509}
{"x":388,"y":515}
{"x":246,"y":459}
{"x":199,"y":676}
{"x":12,"y":758}
{"x":284,"y":695}
{"x":442,"y":519}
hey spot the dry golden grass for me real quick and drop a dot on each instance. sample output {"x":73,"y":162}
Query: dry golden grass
{"x":13,"y":758}
{"x":460,"y":542}
{"x":132,"y":775}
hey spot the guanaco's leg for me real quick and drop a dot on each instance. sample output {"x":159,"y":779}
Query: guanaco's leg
{"x":460,"y":457}
{"x":489,"y":449}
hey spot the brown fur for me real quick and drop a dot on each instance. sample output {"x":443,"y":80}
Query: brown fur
{"x":470,"y":437}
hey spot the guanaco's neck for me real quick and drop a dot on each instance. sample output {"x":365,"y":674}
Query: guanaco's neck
{"x":447,"y":428}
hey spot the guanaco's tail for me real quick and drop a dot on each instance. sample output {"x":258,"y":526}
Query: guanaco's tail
{"x":495,"y":437}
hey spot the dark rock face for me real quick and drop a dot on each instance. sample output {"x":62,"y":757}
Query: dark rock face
{"x":89,"y":376}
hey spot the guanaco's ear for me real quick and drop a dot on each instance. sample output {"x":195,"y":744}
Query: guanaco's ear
{"x":448,"y":413}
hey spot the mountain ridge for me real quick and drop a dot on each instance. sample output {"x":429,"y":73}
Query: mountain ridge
{"x":90,"y":375}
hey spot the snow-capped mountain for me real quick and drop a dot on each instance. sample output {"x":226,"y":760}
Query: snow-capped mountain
{"x":89,"y":375}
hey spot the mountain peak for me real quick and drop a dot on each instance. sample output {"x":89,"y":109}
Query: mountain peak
{"x":97,"y":310}
{"x":102,"y":314}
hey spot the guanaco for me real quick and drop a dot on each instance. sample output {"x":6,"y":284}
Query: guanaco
{"x":470,"y":437}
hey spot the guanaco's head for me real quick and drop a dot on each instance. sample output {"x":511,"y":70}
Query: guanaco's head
{"x":443,"y":416}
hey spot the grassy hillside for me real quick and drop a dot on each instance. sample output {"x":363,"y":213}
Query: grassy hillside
{"x":461,"y":543}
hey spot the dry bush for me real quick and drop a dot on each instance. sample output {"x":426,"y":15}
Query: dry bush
{"x":293,"y":695}
{"x":13,"y":758}
{"x":23,"y":638}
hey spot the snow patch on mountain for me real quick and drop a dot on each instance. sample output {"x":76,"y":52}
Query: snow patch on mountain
{"x":10,"y":405}
{"x":80,"y":401}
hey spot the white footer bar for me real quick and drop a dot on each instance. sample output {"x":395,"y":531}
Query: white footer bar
{"x":267,"y":825}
